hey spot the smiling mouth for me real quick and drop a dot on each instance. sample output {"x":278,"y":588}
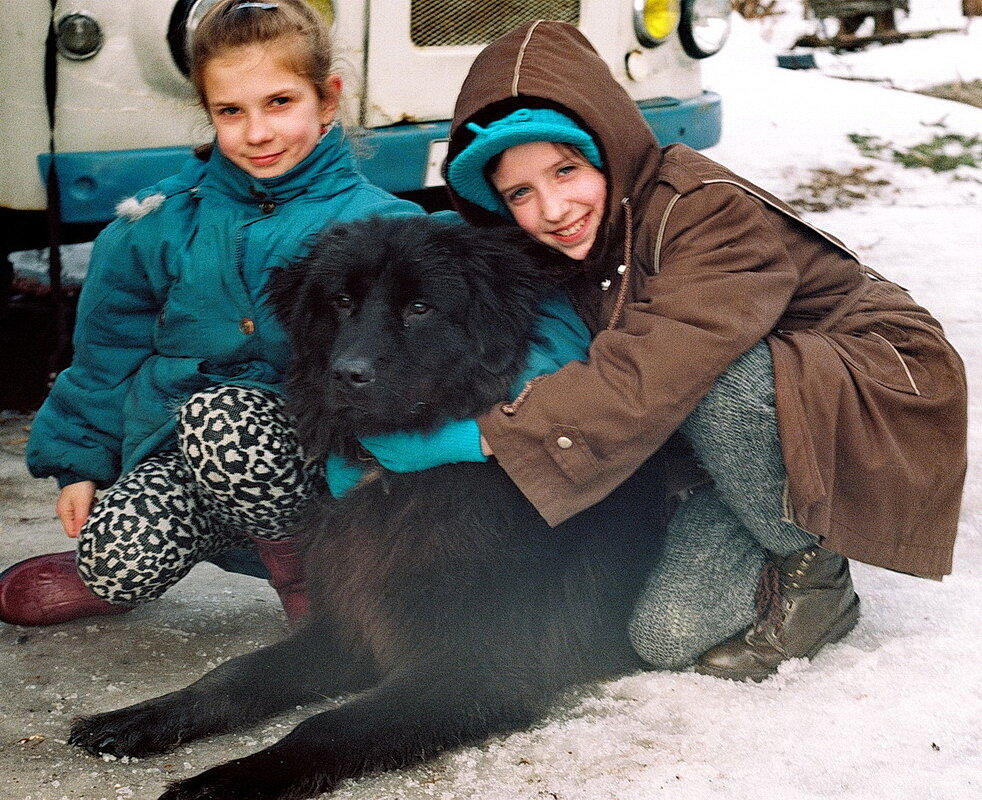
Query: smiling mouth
{"x":572,"y":230}
{"x":266,"y":159}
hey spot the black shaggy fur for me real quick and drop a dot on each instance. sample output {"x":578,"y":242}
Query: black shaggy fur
{"x":440,"y":599}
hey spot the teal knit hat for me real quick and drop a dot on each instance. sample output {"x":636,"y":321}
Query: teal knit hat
{"x":465,"y":173}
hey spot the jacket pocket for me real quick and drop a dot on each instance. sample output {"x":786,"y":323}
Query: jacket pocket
{"x":876,"y":357}
{"x":570,"y":451}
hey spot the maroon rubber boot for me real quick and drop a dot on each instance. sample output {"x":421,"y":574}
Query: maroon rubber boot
{"x":286,"y":575}
{"x":47,"y":590}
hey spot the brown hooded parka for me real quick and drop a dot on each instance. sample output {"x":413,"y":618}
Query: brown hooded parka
{"x":692,"y":266}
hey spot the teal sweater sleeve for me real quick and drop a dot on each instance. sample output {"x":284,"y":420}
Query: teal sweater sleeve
{"x":560,"y":336}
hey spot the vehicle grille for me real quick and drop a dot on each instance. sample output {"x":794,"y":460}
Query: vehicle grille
{"x":440,"y":23}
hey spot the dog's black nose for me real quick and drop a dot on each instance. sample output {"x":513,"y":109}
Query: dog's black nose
{"x":353,"y":370}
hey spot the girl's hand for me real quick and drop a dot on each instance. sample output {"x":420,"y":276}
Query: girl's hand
{"x":73,"y":506}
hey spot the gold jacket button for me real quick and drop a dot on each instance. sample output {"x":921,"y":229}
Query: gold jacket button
{"x":564,"y":442}
{"x":247,"y":326}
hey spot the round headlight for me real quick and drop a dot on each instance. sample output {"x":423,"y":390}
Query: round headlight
{"x":655,"y":20}
{"x":325,"y":8}
{"x":704,"y":26}
{"x":78,"y":37}
{"x":183,"y":20}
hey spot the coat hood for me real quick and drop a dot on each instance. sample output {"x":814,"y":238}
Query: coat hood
{"x":551,"y":64}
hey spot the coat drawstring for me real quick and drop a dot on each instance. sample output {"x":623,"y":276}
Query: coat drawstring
{"x":625,"y":268}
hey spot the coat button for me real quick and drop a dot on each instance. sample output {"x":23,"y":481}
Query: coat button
{"x":267,"y":206}
{"x":247,"y":326}
{"x":564,"y":442}
{"x":604,"y":284}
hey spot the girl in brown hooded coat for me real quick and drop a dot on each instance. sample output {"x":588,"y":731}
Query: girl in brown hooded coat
{"x":826,"y":406}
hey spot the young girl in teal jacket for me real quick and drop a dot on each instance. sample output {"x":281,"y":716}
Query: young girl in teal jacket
{"x":178,"y":360}
{"x":172,"y":402}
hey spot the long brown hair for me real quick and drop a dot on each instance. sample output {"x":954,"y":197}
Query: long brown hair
{"x":299,"y":31}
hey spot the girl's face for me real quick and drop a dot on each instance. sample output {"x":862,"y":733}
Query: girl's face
{"x":267,"y":118}
{"x":555,"y":195}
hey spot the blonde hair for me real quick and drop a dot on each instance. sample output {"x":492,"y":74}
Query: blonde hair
{"x":300,"y":31}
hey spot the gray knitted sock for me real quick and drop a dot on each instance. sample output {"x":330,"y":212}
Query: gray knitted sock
{"x":702,"y":589}
{"x":734,"y":434}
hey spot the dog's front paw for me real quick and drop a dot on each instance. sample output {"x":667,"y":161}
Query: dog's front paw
{"x":133,"y":731}
{"x":262,"y":776}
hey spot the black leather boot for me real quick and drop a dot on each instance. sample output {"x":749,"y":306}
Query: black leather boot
{"x":804,"y":602}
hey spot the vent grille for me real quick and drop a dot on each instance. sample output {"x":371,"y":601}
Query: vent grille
{"x":442,"y":23}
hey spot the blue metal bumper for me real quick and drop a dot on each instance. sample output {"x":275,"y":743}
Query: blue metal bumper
{"x":395,"y":158}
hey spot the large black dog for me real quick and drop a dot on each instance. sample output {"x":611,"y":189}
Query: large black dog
{"x":440,"y":599}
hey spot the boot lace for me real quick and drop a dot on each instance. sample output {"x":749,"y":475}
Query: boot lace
{"x":769,"y":599}
{"x":771,"y":609}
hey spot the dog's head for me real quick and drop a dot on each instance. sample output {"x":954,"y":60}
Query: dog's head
{"x":401,"y":323}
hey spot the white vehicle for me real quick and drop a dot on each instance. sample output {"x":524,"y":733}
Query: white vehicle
{"x":124,"y":114}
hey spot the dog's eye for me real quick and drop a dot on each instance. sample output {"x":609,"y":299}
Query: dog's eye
{"x":414,"y":311}
{"x":342,"y":302}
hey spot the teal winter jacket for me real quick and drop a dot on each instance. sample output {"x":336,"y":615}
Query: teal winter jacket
{"x":174,"y":303}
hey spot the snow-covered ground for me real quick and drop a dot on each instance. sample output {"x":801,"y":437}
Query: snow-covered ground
{"x":894,"y":712}
{"x":918,"y":63}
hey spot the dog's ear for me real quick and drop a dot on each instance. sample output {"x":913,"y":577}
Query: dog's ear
{"x":283,"y":288}
{"x":300,"y":290}
{"x":505,"y":282}
{"x":300,"y":295}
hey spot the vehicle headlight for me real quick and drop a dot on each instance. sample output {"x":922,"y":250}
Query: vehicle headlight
{"x":704,"y":26}
{"x":655,"y":20}
{"x":78,"y":37}
{"x":325,"y":8}
{"x":188,"y":13}
{"x":183,"y":20}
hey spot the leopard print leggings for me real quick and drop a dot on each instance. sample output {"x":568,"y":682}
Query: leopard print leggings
{"x":238,"y":473}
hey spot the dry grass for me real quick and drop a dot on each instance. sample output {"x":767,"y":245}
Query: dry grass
{"x":969,"y":92}
{"x":827,"y":189}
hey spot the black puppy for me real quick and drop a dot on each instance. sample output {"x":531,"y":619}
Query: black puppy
{"x":440,"y":599}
